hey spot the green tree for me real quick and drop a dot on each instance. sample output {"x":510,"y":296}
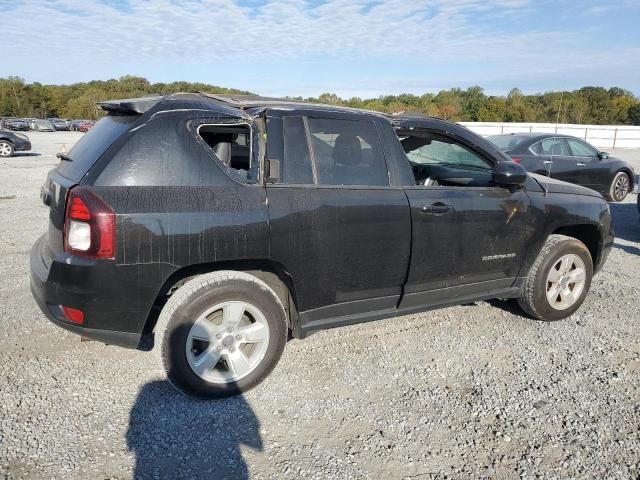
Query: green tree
{"x":634,"y":114}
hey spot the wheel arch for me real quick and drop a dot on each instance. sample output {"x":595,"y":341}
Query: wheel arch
{"x":588,"y":234}
{"x":272,"y":273}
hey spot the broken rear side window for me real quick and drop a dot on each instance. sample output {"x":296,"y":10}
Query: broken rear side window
{"x":231,"y":145}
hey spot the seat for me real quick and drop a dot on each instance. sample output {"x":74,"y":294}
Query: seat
{"x":348,"y":161}
{"x":223,"y":151}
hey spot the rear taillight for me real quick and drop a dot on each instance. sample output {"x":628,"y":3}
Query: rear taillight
{"x":73,"y":314}
{"x":90,"y":225}
{"x":516,"y":159}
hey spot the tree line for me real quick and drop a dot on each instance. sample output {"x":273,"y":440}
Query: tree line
{"x":590,"y":105}
{"x":78,"y":100}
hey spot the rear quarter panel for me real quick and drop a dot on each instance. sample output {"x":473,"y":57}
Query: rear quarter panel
{"x":175,"y":207}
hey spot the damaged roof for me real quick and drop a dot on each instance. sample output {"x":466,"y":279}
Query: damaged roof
{"x":242,"y":102}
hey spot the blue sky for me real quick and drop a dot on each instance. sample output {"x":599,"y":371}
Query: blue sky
{"x":306,"y":47}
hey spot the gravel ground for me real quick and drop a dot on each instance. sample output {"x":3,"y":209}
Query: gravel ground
{"x":475,"y":391}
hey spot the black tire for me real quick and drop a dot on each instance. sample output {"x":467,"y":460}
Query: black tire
{"x":620,"y":187}
{"x":189,"y":302}
{"x":6,"y":148}
{"x":534,"y":297}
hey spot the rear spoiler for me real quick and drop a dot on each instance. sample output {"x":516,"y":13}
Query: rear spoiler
{"x":130,"y":105}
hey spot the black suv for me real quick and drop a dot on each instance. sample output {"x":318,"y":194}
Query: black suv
{"x":210,"y":228}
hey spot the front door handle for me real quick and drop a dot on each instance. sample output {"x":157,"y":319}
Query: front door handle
{"x":548,"y":162}
{"x":436,"y":209}
{"x":580,"y":164}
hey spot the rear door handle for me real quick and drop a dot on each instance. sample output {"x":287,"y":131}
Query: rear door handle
{"x":436,"y":209}
{"x":580,"y":164}
{"x":548,"y":162}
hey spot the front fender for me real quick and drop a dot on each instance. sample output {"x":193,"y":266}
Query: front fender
{"x":586,"y":218}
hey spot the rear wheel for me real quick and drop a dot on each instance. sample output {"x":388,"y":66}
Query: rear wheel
{"x":620,"y":186}
{"x":220,"y":334}
{"x":559,"y":279}
{"x":6,"y":148}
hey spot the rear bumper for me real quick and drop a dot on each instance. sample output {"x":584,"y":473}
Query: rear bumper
{"x":68,"y":281}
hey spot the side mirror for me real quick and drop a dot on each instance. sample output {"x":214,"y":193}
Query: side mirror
{"x":603,"y":155}
{"x":509,"y":174}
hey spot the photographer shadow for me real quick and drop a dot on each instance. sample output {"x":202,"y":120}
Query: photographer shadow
{"x":173,"y":436}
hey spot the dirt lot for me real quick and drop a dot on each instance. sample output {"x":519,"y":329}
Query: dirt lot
{"x":475,"y":391}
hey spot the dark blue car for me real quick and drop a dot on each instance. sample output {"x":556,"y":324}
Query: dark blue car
{"x":569,"y":159}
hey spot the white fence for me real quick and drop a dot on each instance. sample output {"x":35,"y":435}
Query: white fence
{"x":601,"y":136}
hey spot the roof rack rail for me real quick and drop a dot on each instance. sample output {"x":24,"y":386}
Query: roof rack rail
{"x":248,"y":101}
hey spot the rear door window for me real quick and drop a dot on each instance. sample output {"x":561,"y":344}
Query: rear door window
{"x":347,"y":152}
{"x":552,"y":146}
{"x":93,"y":144}
{"x":297,"y":157}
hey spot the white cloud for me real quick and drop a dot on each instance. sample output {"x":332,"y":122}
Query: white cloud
{"x":91,"y":36}
{"x":213,"y":29}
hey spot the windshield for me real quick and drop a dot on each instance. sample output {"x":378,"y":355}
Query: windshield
{"x":506,"y":142}
{"x":93,"y":144}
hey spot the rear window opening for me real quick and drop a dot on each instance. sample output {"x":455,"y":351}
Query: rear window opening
{"x":507,"y":142}
{"x":93,"y":144}
{"x":230,"y":143}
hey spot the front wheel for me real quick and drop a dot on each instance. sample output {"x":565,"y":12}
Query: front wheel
{"x":220,"y":334}
{"x":619,"y":187}
{"x":6,"y":148}
{"x":559,"y":279}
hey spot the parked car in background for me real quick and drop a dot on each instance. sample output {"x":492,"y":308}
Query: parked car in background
{"x":16,"y":124}
{"x":59,"y":124}
{"x":569,"y":159}
{"x":86,"y":126}
{"x":13,"y":142}
{"x":42,"y":126}
{"x":74,"y":125}
{"x":223,"y":244}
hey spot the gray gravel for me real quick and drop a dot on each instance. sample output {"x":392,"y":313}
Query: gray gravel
{"x":475,"y":391}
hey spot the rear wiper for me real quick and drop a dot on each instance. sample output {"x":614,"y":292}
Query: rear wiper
{"x":64,"y":156}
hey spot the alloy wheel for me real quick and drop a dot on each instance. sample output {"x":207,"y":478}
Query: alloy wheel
{"x":227,"y":342}
{"x":5,"y":149}
{"x":621,"y":187}
{"x":566,"y":281}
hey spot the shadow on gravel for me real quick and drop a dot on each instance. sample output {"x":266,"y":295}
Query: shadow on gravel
{"x":173,"y":436}
{"x":626,"y":224}
{"x":26,"y":154}
{"x":509,"y":305}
